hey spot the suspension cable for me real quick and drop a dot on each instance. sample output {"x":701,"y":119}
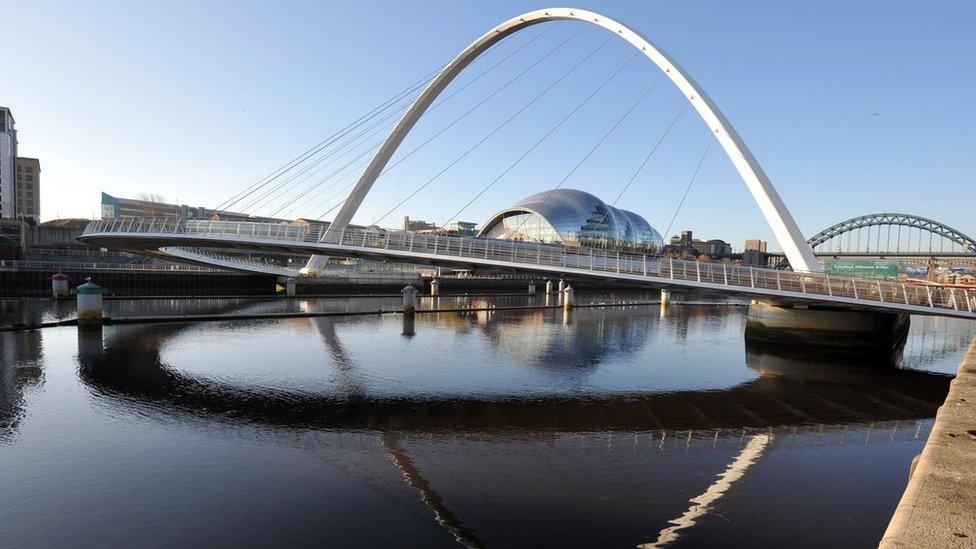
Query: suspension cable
{"x":597,"y":145}
{"x":496,"y":129}
{"x":544,"y":137}
{"x":688,"y":188}
{"x":344,"y":177}
{"x":482,"y":102}
{"x":331,"y":175}
{"x":362,"y":119}
{"x":643,"y":163}
{"x":283,"y":187}
{"x":476,"y":106}
{"x":650,"y":153}
{"x":327,"y":141}
{"x":357,"y":169}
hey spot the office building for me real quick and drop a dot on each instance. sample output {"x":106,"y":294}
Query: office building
{"x":8,"y":161}
{"x":29,"y":189}
{"x":462,"y":228}
{"x":756,"y":244}
{"x":114,"y":207}
{"x":686,"y":245}
{"x":417,"y":224}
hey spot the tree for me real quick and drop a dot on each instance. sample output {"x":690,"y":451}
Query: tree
{"x":155,"y":204}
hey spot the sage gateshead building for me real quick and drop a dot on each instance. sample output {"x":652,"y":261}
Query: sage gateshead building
{"x":573,"y":218}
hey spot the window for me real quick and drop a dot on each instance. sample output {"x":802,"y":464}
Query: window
{"x":30,"y":177}
{"x":19,"y":167}
{"x":30,"y":169}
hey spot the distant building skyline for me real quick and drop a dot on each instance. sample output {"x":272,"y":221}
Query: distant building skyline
{"x":8,"y":161}
{"x":877,"y":142}
{"x":756,"y":244}
{"x":28,"y":189}
{"x":115,"y":207}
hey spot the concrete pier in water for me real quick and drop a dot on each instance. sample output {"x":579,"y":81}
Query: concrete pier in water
{"x":59,"y":286}
{"x":409,"y":300}
{"x":89,"y":303}
{"x":853,"y":330}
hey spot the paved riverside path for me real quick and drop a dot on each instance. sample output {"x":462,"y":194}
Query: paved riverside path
{"x":938,"y":509}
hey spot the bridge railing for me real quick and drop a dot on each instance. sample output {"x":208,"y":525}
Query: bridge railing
{"x":514,"y":253}
{"x":174,"y":225}
{"x":723,"y":274}
{"x":127,"y":224}
{"x":277,"y":231}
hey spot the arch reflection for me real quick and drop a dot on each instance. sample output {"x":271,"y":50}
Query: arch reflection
{"x":789,"y":390}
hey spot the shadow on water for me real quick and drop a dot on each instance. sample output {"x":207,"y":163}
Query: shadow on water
{"x":791,"y":388}
{"x":597,"y":466}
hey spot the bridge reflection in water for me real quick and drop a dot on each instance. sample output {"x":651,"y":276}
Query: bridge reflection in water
{"x":631,"y":466}
{"x":792,"y":388}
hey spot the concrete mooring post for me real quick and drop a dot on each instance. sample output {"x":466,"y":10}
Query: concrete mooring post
{"x":408,"y":326}
{"x":532,"y":287}
{"x":59,"y":286}
{"x":409,"y":300}
{"x":290,"y":287}
{"x":665,"y":297}
{"x":569,"y":300}
{"x":435,"y":288}
{"x":89,"y":303}
{"x":91,"y":346}
{"x":548,"y":286}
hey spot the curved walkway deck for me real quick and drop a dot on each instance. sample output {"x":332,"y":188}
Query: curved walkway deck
{"x":776,"y":286}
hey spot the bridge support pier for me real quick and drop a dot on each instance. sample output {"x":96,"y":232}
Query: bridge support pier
{"x":409,"y":301}
{"x":665,"y":297}
{"x":569,"y":298}
{"x":290,"y":287}
{"x":825,"y":328}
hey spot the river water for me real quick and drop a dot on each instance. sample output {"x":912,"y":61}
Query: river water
{"x":607,"y":426}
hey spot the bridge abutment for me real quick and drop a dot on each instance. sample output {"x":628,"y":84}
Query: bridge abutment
{"x":825,"y":328}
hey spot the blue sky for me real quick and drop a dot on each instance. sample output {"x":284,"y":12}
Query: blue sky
{"x":196,"y":100}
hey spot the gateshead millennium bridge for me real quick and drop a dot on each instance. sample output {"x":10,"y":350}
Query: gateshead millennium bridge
{"x":806,"y":284}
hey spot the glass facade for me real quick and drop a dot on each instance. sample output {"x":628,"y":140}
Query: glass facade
{"x":573,"y":218}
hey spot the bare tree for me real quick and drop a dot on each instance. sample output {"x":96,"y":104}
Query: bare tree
{"x":156,"y":204}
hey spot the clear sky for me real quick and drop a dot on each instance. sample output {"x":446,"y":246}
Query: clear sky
{"x":851,"y":107}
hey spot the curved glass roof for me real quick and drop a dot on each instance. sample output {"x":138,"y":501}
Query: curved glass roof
{"x":574,"y":218}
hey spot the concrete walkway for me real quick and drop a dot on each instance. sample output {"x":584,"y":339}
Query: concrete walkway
{"x":938,"y":509}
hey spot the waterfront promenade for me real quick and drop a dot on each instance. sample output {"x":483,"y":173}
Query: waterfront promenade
{"x":938,"y":508}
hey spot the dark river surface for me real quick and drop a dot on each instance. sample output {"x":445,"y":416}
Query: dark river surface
{"x":609,"y":426}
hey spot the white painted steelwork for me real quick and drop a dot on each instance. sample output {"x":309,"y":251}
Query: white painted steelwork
{"x":784,"y":287}
{"x":767,"y":198}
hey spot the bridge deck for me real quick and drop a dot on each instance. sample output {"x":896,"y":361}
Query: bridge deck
{"x":780,"y":286}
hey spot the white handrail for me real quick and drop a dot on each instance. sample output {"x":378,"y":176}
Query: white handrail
{"x":559,"y":256}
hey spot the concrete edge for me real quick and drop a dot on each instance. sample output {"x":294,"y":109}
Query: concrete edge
{"x":938,"y":508}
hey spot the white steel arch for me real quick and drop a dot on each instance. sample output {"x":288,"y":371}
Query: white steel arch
{"x":784,"y":227}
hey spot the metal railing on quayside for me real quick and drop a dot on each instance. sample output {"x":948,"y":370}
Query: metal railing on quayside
{"x":821,"y":284}
{"x":173,"y":225}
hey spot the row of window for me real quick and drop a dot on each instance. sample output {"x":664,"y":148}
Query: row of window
{"x":30,"y":169}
